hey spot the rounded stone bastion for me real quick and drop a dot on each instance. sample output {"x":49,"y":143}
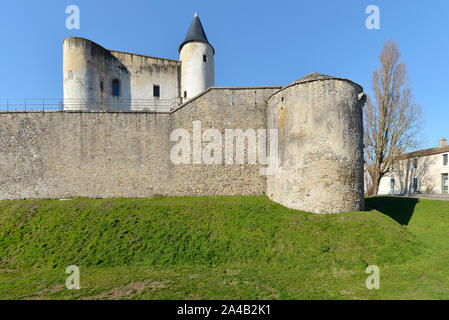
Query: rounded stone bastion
{"x":89,"y":70}
{"x":320,"y":125}
{"x":79,"y":72}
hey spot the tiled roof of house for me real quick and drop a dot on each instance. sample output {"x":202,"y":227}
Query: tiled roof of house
{"x":425,"y":152}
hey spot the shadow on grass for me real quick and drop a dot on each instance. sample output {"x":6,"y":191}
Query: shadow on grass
{"x":399,"y":209}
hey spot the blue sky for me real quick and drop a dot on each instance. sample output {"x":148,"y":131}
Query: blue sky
{"x":256,"y":42}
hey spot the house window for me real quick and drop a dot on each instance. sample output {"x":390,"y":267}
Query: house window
{"x":116,"y":88}
{"x":445,"y":159}
{"x":415,"y":185}
{"x":445,"y":183}
{"x":204,"y":58}
{"x":415,"y":163}
{"x":156,"y":91}
{"x":392,"y":184}
{"x":185,"y":94}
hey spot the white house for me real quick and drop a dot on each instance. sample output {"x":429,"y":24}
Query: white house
{"x":423,"y":171}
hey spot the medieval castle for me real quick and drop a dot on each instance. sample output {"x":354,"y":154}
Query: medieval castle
{"x":115,"y":138}
{"x":100,"y":79}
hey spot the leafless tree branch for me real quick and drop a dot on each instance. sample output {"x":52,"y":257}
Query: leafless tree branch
{"x":392,"y":121}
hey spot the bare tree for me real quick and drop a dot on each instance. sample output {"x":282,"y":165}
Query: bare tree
{"x":392,"y":121}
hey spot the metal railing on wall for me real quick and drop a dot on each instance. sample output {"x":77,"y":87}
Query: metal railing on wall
{"x":49,"y":105}
{"x":44,"y":104}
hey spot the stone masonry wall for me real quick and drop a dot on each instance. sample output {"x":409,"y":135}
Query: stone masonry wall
{"x":124,"y":154}
{"x":63,"y":154}
{"x":321,"y":145}
{"x":215,"y":110}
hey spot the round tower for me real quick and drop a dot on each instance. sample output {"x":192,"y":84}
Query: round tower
{"x":197,"y":61}
{"x":78,"y":75}
{"x":320,"y":125}
{"x":84,"y":67}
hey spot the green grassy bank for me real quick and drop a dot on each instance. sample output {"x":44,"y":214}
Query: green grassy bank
{"x":241,"y":247}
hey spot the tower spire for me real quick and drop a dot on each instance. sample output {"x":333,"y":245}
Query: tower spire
{"x":196,"y":33}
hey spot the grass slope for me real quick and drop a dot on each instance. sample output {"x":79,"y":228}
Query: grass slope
{"x":240,"y":247}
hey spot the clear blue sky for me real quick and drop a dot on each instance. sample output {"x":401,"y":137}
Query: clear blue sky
{"x":257,"y":42}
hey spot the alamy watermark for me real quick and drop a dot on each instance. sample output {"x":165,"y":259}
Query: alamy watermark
{"x":189,"y":148}
{"x":373,"y":20}
{"x":73,"y":281}
{"x":73,"y":21}
{"x":373,"y":281}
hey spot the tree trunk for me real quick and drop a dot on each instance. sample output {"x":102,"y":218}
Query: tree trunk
{"x":376,"y":184}
{"x":375,"y":187}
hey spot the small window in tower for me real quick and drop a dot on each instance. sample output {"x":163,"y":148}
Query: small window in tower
{"x":156,"y":91}
{"x":185,"y":94}
{"x":204,"y":58}
{"x":116,"y":88}
{"x":101,"y":86}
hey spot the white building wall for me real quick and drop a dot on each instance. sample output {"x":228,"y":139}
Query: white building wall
{"x":145,"y":73}
{"x":428,"y":172}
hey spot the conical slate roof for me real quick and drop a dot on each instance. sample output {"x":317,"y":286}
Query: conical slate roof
{"x":196,"y":33}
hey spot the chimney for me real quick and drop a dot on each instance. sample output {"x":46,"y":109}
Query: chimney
{"x":443,"y":142}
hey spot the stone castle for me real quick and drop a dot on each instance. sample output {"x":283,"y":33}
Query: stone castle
{"x":100,"y":79}
{"x":114,"y":137}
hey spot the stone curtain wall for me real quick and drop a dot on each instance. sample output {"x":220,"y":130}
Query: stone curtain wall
{"x":124,"y":154}
{"x":215,"y":110}
{"x":62,"y":154}
{"x":127,"y":154}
